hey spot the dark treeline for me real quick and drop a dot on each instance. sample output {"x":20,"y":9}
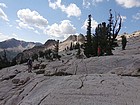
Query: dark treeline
{"x":4,"y":62}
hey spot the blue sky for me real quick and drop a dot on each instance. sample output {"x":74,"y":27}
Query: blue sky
{"x":40,"y":20}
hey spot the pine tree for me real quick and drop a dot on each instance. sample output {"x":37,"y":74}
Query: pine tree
{"x":79,"y":50}
{"x":41,"y":54}
{"x":35,"y":57}
{"x":88,"y":50}
{"x":124,"y":41}
{"x":56,"y":50}
{"x":114,"y":27}
{"x":71,"y":46}
{"x":48,"y":54}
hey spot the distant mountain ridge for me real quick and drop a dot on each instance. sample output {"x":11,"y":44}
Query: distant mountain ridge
{"x":14,"y":46}
{"x":12,"y":43}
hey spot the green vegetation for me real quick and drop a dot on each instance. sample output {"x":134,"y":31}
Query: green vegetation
{"x":4,"y":61}
{"x":104,"y":37}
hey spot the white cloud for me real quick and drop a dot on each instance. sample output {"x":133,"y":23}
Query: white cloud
{"x":129,"y":3}
{"x":61,"y":31}
{"x":2,"y":14}
{"x":18,"y":27}
{"x":94,"y":24}
{"x":94,"y":2}
{"x":87,"y":3}
{"x":73,"y":10}
{"x":24,"y":25}
{"x":36,"y":32}
{"x":30,"y":19}
{"x":53,"y":30}
{"x":123,"y":18}
{"x":3,"y":5}
{"x":56,"y":4}
{"x":70,"y":10}
{"x":15,"y":35}
{"x":137,"y":16}
{"x":4,"y":37}
{"x":67,"y":28}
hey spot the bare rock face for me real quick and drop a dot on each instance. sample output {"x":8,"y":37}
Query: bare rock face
{"x":81,"y":38}
{"x":36,"y":66}
{"x":15,"y":81}
{"x":90,"y":89}
{"x":49,"y":43}
{"x":72,"y":38}
{"x":40,"y":71}
{"x":48,"y":73}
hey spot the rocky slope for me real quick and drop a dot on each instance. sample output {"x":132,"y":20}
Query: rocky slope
{"x":50,"y":44}
{"x":105,"y":80}
{"x":72,"y":39}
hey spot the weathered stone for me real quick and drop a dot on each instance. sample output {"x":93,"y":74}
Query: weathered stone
{"x":16,"y":81}
{"x":40,"y":71}
{"x":47,"y":73}
{"x":36,"y":66}
{"x":8,"y":77}
{"x":42,"y":66}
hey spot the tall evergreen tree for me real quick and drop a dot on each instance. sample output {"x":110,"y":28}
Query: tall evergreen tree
{"x":88,"y":45}
{"x":41,"y":54}
{"x":56,"y":50}
{"x":114,"y":27}
{"x":57,"y":47}
{"x":35,"y":57}
{"x":71,"y":46}
{"x":48,"y":54}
